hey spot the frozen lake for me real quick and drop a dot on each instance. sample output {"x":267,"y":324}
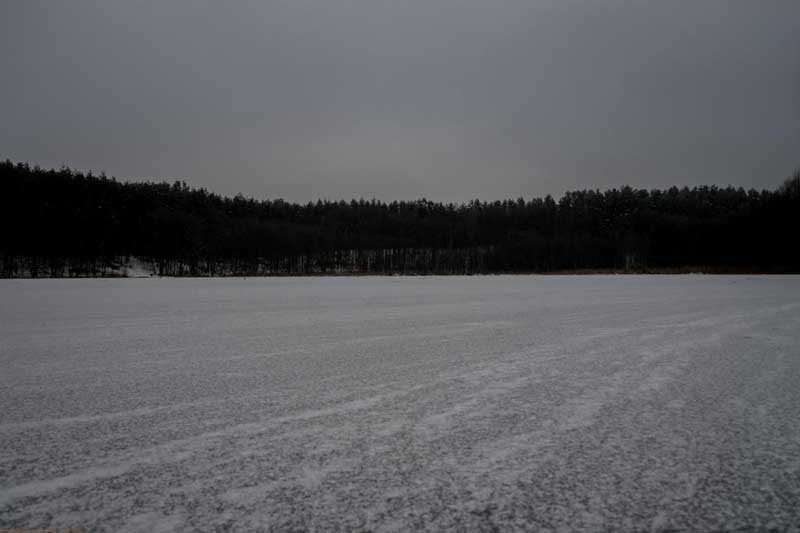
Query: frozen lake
{"x":518,"y":402}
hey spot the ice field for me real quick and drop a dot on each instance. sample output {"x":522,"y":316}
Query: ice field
{"x":397,"y":403}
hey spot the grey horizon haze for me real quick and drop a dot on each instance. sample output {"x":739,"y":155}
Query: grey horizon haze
{"x":449,"y":100}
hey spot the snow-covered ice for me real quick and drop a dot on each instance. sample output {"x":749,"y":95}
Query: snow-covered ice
{"x":396,"y":403}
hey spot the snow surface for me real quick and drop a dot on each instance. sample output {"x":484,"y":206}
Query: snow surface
{"x":467,"y":403}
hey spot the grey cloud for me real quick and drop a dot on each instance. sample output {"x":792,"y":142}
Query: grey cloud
{"x":448,"y":99}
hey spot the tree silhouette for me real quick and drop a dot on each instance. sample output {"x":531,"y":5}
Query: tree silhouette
{"x":65,"y":223}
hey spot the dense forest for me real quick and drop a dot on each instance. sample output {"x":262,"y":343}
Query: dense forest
{"x":65,"y":223}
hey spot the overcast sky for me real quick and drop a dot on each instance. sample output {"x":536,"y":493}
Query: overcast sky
{"x":444,"y":99}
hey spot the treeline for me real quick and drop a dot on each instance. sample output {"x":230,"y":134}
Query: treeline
{"x":65,"y":223}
